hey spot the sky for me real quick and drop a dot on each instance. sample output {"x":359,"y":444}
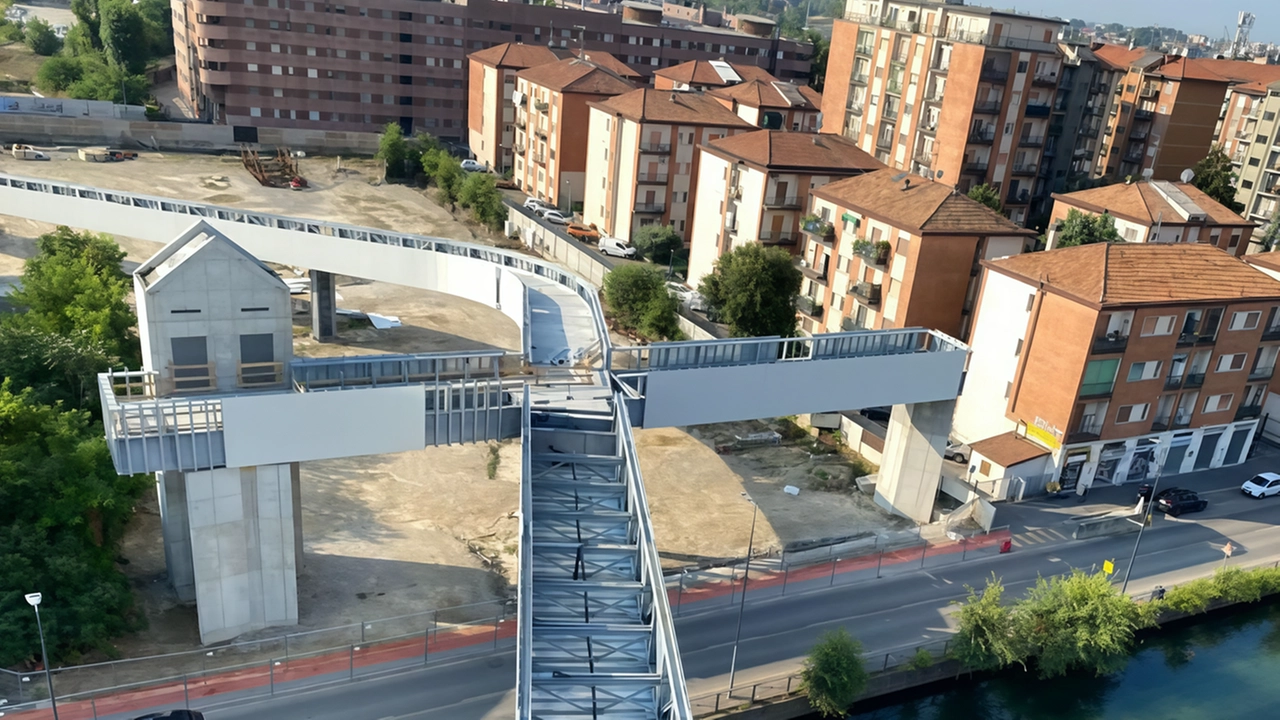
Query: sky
{"x":1189,"y":16}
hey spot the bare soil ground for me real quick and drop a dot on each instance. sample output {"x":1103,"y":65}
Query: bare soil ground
{"x":18,"y":67}
{"x":696,"y":495}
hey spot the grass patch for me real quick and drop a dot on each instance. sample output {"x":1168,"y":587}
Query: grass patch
{"x":18,"y":67}
{"x":491,"y":468}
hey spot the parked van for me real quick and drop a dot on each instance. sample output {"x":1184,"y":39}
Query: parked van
{"x":617,"y":248}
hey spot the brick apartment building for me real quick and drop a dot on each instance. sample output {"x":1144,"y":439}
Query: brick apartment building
{"x":894,"y":252}
{"x":324,"y":66}
{"x":933,"y":88}
{"x":642,"y":157}
{"x":1118,"y":357}
{"x":1158,"y":211}
{"x":754,"y":188}
{"x":1242,"y":112}
{"x":1258,"y":187}
{"x":774,"y":105}
{"x":551,"y":113}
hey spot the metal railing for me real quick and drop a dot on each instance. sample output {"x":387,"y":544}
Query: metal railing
{"x":652,"y":178}
{"x":869,"y":292}
{"x":784,"y":201}
{"x":776,"y":237}
{"x":987,"y":107}
{"x":655,"y":147}
{"x":982,"y":135}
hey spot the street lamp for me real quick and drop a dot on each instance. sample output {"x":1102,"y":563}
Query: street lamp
{"x":568,"y":195}
{"x":746,"y":571}
{"x":1146,"y":513}
{"x":33,"y":599}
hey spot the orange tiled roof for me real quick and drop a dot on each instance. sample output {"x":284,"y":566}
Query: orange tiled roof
{"x":1185,"y":69}
{"x":666,"y":106}
{"x":925,"y":206}
{"x":1118,"y":57}
{"x":608,"y":62}
{"x":761,"y":94}
{"x":1141,"y":203}
{"x":781,"y":150}
{"x":576,"y":76}
{"x":1248,"y":76}
{"x":1141,"y":273}
{"x":514,"y":55}
{"x":700,"y":72}
{"x":1268,"y":260}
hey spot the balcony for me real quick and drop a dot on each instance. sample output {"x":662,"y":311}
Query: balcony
{"x":884,"y":142}
{"x":865,"y":49}
{"x":868,"y":292}
{"x":1271,"y":333}
{"x":1036,"y":110}
{"x":1110,"y":343}
{"x":808,"y":306}
{"x":1181,"y":421}
{"x":519,"y":148}
{"x":659,"y":148}
{"x":859,"y":78}
{"x":1262,"y":373}
{"x":1056,"y":128}
{"x":1031,"y":140}
{"x":1149,"y":91}
{"x":1136,"y":134}
{"x":1194,"y":380}
{"x":875,"y":253}
{"x":520,"y":122}
{"x":775,"y":237}
{"x":1246,"y":412}
{"x":940,"y":65}
{"x":1173,"y":382}
{"x":785,"y":202}
{"x":540,"y":132}
{"x":650,"y":208}
{"x":900,"y":58}
{"x":1018,"y":197}
{"x":855,"y":107}
{"x":540,"y":106}
{"x":1025,"y":169}
{"x":1160,"y":424}
{"x":995,"y":74}
{"x":652,"y":178}
{"x":983,"y":136}
{"x":1045,"y":80}
{"x":820,"y":229}
{"x":1143,"y":114}
{"x":978,"y":168}
{"x":924,"y":158}
{"x":1088,"y":131}
{"x":894,"y":86}
{"x":847,"y":324}
{"x":1132,"y":157}
{"x":987,"y":107}
{"x":540,"y":158}
{"x":929,"y":126}
{"x":817,"y":275}
{"x":1097,"y":390}
{"x":1087,"y":432}
{"x":891,"y":114}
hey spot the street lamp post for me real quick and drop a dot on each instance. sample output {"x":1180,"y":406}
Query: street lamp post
{"x":1146,"y":513}
{"x":33,"y":599}
{"x":746,"y":572}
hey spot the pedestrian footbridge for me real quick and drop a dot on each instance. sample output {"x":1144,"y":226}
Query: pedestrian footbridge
{"x":595,"y":638}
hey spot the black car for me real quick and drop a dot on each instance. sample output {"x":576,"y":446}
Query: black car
{"x":173,"y":715}
{"x":1180,"y":501}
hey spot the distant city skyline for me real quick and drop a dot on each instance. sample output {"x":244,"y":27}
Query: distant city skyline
{"x":1189,"y":16}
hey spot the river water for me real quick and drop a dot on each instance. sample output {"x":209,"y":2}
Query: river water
{"x":1225,"y":667}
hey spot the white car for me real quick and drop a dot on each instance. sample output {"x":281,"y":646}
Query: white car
{"x":687,"y":296}
{"x":535,"y":205}
{"x":556,"y":217}
{"x":615,"y":247}
{"x":473,"y":166}
{"x":956,"y":452}
{"x":1262,"y":485}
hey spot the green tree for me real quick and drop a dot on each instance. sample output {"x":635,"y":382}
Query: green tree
{"x":657,"y":242}
{"x":984,"y":630}
{"x":55,"y":368}
{"x":1081,"y":228}
{"x":821,"y":48}
{"x":124,"y":36}
{"x":479,"y":191}
{"x":79,"y":41}
{"x":1215,"y":178}
{"x":986,"y":195}
{"x":63,"y":511}
{"x":834,"y":674}
{"x":433,"y":159}
{"x":159,"y":26}
{"x":639,"y":301}
{"x":86,"y":12}
{"x":1078,"y":622}
{"x":753,"y":288}
{"x":58,"y":73}
{"x":41,"y":38}
{"x":100,"y":80}
{"x":393,"y":150}
{"x":74,"y":287}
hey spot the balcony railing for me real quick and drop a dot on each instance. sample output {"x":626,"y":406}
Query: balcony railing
{"x":1037,"y":110}
{"x":540,"y":158}
{"x":520,"y":122}
{"x":1182,"y":421}
{"x":819,"y":228}
{"x":985,"y":135}
{"x":1031,"y":140}
{"x":1194,"y":380}
{"x":1149,"y":91}
{"x":1143,"y":114}
{"x":1262,"y":373}
{"x":1132,"y":157}
{"x":1092,"y":390}
{"x":650,"y":207}
{"x":987,"y":107}
{"x":847,"y":324}
{"x":1245,"y":412}
{"x":775,"y":237}
{"x":519,"y":148}
{"x":976,"y":167}
{"x":540,"y":106}
{"x":891,"y":114}
{"x":894,"y":86}
{"x":994,"y":74}
{"x":1173,"y":382}
{"x":1025,"y":168}
{"x":869,"y":292}
{"x":808,"y":306}
{"x":1160,"y":424}
{"x":1110,"y":343}
{"x":884,"y":142}
{"x":1136,"y":134}
{"x":855,"y":107}
{"x":859,"y":78}
{"x":875,"y":253}
{"x":784,"y":201}
{"x":1044,"y":80}
{"x":1018,"y":197}
{"x":1271,"y":333}
{"x":1086,"y":432}
{"x":924,"y":158}
{"x":865,"y":49}
{"x":940,"y":65}
{"x":929,"y":126}
{"x":655,"y":147}
{"x":652,"y":178}
{"x":540,"y":132}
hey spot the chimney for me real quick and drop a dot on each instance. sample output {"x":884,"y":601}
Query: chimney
{"x":673,"y":96}
{"x":906,"y":184}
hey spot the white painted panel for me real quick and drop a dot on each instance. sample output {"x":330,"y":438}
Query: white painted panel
{"x":267,"y":429}
{"x":722,"y":394}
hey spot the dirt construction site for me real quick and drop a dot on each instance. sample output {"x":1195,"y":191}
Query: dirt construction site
{"x":398,"y":534}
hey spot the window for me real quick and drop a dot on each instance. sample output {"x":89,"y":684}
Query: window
{"x":1149,"y":370}
{"x":1218,"y":403}
{"x":1131,"y":413}
{"x":1254,"y":162}
{"x":1231,"y":363}
{"x":1247,"y":320}
{"x":1099,"y":375}
{"x":255,"y":112}
{"x":1159,"y":325}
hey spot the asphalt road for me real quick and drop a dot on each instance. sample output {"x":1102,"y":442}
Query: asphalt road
{"x":893,"y":613}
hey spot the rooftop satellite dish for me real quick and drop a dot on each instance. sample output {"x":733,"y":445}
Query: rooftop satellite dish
{"x":1187,"y":175}
{"x":899,"y":176}
{"x":1147,"y":173}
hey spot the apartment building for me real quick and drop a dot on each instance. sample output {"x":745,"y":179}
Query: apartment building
{"x":774,"y":105}
{"x":324,"y":66}
{"x":642,"y":158}
{"x":708,"y":75}
{"x":1163,"y":116}
{"x":1158,"y":211}
{"x":958,"y":93}
{"x":1121,"y":359}
{"x":551,"y":112}
{"x":886,"y":251}
{"x":1069,"y":149}
{"x":754,"y":188}
{"x":1242,"y":110}
{"x":1258,"y":187}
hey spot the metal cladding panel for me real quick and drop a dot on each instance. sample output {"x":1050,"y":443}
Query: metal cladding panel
{"x":744,"y":392}
{"x":268,"y":429}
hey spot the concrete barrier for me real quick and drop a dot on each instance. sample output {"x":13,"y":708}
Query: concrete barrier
{"x":1107,"y":525}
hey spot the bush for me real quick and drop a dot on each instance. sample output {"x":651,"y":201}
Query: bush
{"x":1238,"y":586}
{"x":1191,"y":597}
{"x":657,"y":243}
{"x":753,"y":288}
{"x":58,"y":73}
{"x":921,"y":660}
{"x":984,"y":634}
{"x":100,"y":80}
{"x":834,"y":674}
{"x":479,"y":191}
{"x":41,"y":38}
{"x":640,"y":302}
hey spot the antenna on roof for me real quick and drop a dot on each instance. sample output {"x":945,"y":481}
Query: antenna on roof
{"x":899,"y":176}
{"x":1187,"y":175}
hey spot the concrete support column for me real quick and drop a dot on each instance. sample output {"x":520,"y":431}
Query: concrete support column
{"x":244,"y":547}
{"x":324,"y":306}
{"x":171,"y":487}
{"x":911,"y":469}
